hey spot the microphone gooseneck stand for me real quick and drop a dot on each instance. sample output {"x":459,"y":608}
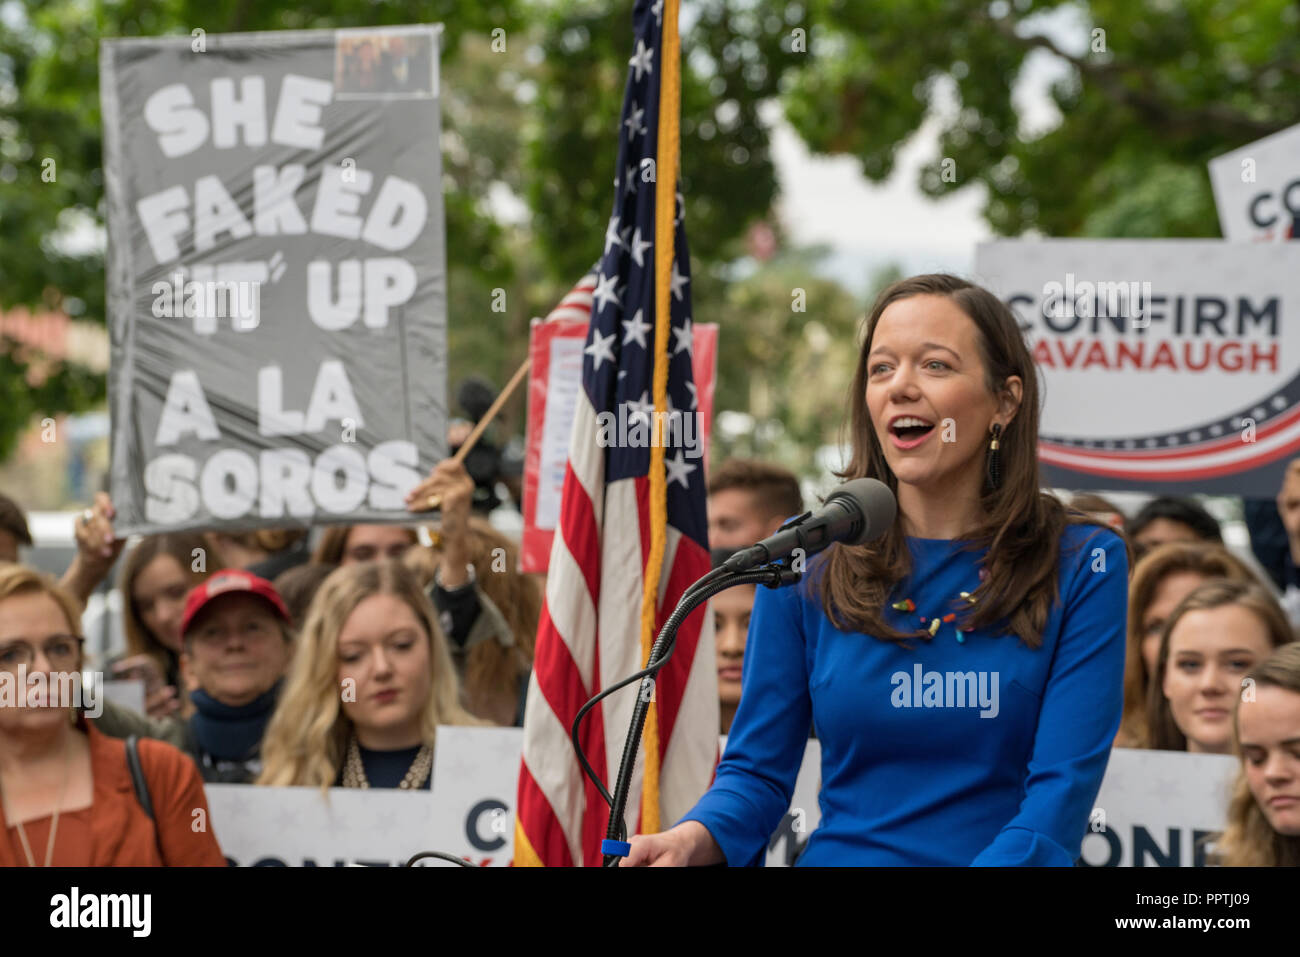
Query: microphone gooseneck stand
{"x":615,"y":844}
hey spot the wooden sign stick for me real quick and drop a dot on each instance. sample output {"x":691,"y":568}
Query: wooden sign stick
{"x":483,"y":423}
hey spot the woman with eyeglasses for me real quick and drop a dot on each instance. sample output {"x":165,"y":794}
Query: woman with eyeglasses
{"x":67,"y":796}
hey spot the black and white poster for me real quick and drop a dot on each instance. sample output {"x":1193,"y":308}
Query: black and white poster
{"x":276,"y":276}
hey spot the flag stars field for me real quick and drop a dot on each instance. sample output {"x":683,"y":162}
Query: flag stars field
{"x":678,"y":281}
{"x":684,"y":336}
{"x":679,"y":469}
{"x":601,"y":348}
{"x":634,"y":330}
{"x":606,"y":292}
{"x":641,"y":61}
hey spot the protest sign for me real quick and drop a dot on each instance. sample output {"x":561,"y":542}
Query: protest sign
{"x":1155,"y":808}
{"x":276,"y":276}
{"x":1257,"y":189}
{"x":469,"y":812}
{"x":555,"y":375}
{"x":1168,"y":366}
{"x":298,"y":827}
{"x":1159,"y":809}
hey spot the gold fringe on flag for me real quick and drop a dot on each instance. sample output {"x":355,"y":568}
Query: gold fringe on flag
{"x":665,"y":254}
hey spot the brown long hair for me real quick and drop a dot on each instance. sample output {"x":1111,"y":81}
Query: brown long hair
{"x":492,"y":670}
{"x":1249,"y":839}
{"x":184,"y":547}
{"x":1162,"y":732}
{"x":1022,"y":526}
{"x":1198,"y":558}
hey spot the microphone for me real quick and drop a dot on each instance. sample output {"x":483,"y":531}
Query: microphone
{"x":857,"y":512}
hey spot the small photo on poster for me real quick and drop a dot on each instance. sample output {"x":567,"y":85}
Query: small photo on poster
{"x":386,"y":64}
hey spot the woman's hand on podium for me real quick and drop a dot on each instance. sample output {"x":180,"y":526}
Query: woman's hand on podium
{"x":689,"y":844}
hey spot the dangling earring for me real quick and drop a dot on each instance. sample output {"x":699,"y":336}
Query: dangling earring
{"x":995,"y":458}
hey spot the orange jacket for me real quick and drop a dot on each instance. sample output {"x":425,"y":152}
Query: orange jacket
{"x":122,"y":835}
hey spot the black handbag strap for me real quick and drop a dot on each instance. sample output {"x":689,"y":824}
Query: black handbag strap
{"x":137,"y":774}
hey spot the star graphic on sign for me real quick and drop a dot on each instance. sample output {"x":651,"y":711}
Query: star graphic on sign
{"x":678,"y":280}
{"x":639,"y":247}
{"x":681,"y":209}
{"x":633,"y":122}
{"x":631,"y":178}
{"x":605,"y":291}
{"x":679,"y":469}
{"x":658,"y":11}
{"x":685,"y":339}
{"x":695,"y":395}
{"x":640,"y":61}
{"x":634,"y":330}
{"x":601,"y":348}
{"x":611,"y":234}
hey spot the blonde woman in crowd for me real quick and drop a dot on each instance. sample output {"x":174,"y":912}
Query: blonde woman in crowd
{"x":1163,"y":578}
{"x":1211,"y":641}
{"x":370,"y":681}
{"x":1264,"y":815}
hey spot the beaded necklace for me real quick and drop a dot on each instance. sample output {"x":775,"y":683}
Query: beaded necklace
{"x":935,"y":623}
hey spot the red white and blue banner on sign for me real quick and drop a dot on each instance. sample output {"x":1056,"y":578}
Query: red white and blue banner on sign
{"x":1168,"y":366}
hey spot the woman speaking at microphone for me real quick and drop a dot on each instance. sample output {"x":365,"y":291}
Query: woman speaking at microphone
{"x":965,"y":671}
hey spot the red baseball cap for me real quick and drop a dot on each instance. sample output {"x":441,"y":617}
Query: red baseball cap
{"x":231,"y":580}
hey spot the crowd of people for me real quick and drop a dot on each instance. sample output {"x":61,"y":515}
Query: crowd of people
{"x":268,"y":662}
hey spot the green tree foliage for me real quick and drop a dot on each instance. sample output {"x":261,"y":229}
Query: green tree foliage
{"x":1151,"y":90}
{"x":49,"y":119}
{"x":731,"y":61}
{"x":1148,"y":91}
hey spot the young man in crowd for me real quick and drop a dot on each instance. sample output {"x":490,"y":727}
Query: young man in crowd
{"x":238,"y":642}
{"x":749,"y":500}
{"x":1167,"y":519}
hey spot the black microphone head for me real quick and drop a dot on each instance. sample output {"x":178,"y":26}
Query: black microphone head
{"x":874,"y":502}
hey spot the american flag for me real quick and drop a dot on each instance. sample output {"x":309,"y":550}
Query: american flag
{"x":591,"y":634}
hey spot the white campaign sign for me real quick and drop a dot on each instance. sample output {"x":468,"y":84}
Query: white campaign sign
{"x":470,"y":812}
{"x":1168,"y":366}
{"x":1257,"y":189}
{"x":1153,"y":809}
{"x":297,"y":827}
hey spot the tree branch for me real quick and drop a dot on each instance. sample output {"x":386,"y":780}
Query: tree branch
{"x":1109,"y":77}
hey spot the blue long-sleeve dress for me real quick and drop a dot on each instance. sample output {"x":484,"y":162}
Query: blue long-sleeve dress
{"x":983,"y":752}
